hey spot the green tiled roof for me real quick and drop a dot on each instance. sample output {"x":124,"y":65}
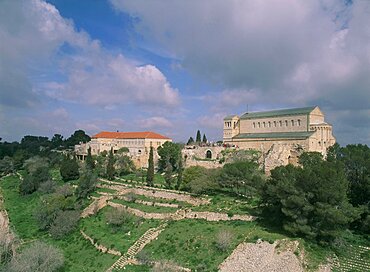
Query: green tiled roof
{"x":229,"y":117}
{"x":275,"y":135}
{"x":275,"y":113}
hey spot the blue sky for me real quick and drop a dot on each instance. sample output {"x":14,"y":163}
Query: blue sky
{"x":175,"y":67}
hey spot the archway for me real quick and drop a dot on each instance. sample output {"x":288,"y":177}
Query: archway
{"x":209,"y":154}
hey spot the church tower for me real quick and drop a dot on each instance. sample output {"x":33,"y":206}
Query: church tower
{"x":231,"y":127}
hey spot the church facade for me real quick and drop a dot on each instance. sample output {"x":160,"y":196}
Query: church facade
{"x":305,"y":127}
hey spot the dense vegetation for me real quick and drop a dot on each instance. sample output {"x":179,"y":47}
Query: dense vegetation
{"x":324,"y":202}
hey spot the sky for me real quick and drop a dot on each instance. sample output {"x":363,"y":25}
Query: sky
{"x":174,"y":67}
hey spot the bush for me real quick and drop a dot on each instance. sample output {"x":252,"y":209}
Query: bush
{"x":69,"y":169}
{"x":117,"y":217}
{"x":143,"y":257}
{"x":48,"y":187}
{"x":38,"y":257}
{"x":64,"y":223}
{"x":223,"y":240}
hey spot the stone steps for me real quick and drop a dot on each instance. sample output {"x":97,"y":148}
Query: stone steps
{"x":145,"y":239}
{"x":354,"y":260}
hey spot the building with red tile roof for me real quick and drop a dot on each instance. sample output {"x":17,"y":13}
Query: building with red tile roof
{"x":138,"y":144}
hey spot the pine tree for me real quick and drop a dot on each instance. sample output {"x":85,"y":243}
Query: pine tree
{"x":110,"y":165}
{"x":190,"y":141}
{"x":199,"y":137}
{"x":89,"y":160}
{"x":204,"y":138}
{"x":150,"y":172}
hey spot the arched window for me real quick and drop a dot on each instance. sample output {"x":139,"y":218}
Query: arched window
{"x":292,"y":123}
{"x":254,"y":124}
{"x":259,"y":125}
{"x":264,"y":124}
{"x":209,"y":154}
{"x":269,"y":124}
{"x":299,"y":122}
{"x":274,"y":123}
{"x":286,"y":123}
{"x":280,"y":123}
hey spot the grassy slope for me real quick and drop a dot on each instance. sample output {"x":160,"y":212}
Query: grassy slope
{"x":79,"y":254}
{"x":192,"y":244}
{"x":145,"y":208}
{"x":121,"y":238}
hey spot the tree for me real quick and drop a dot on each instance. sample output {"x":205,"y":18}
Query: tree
{"x":69,"y":169}
{"x":64,"y":223}
{"x":197,"y":179}
{"x":198,"y":138}
{"x":90,"y":163}
{"x":79,"y":136}
{"x":86,"y":184}
{"x":204,"y":138}
{"x":168,"y":175}
{"x":150,"y":172}
{"x":57,"y":141}
{"x":243,"y":176}
{"x":124,"y":165}
{"x":6,"y":166}
{"x":311,"y":200}
{"x":168,"y":152}
{"x":356,"y":162}
{"x":110,"y":165}
{"x":190,"y":141}
{"x":31,"y":182}
{"x":224,"y":240}
{"x":180,"y":171}
{"x":38,"y":257}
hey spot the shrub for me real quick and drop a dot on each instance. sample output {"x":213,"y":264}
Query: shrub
{"x":223,"y":240}
{"x":38,"y":257}
{"x":64,"y":223}
{"x":48,"y":187}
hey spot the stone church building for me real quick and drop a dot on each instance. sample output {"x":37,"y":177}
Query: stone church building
{"x":280,"y":133}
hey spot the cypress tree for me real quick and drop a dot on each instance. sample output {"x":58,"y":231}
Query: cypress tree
{"x":180,"y":170}
{"x":204,"y":138}
{"x":190,"y":141}
{"x":89,"y":160}
{"x":199,"y":137}
{"x":150,"y":173}
{"x":110,"y":165}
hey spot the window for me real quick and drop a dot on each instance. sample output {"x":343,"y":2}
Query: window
{"x":286,"y":123}
{"x":299,"y":122}
{"x":269,"y":124}
{"x":209,"y":154}
{"x":264,"y":124}
{"x":280,"y":123}
{"x":292,"y":123}
{"x":274,"y":123}
{"x":259,"y":125}
{"x":254,"y":124}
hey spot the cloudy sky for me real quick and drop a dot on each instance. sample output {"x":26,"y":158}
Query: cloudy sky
{"x":177,"y":66}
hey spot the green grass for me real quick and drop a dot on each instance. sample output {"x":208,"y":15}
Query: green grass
{"x":20,"y":209}
{"x":136,"y":268}
{"x":118,"y":239}
{"x":106,"y":190}
{"x":80,"y":255}
{"x":145,"y":208}
{"x":227,"y":204}
{"x":158,"y":179}
{"x":192,"y":244}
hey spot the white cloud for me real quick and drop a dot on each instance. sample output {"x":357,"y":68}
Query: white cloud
{"x":33,"y":42}
{"x":155,"y":122}
{"x":279,"y":53}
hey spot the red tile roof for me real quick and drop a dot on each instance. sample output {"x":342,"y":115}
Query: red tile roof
{"x":130,"y":135}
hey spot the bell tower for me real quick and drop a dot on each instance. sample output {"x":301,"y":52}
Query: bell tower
{"x":231,"y":127}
